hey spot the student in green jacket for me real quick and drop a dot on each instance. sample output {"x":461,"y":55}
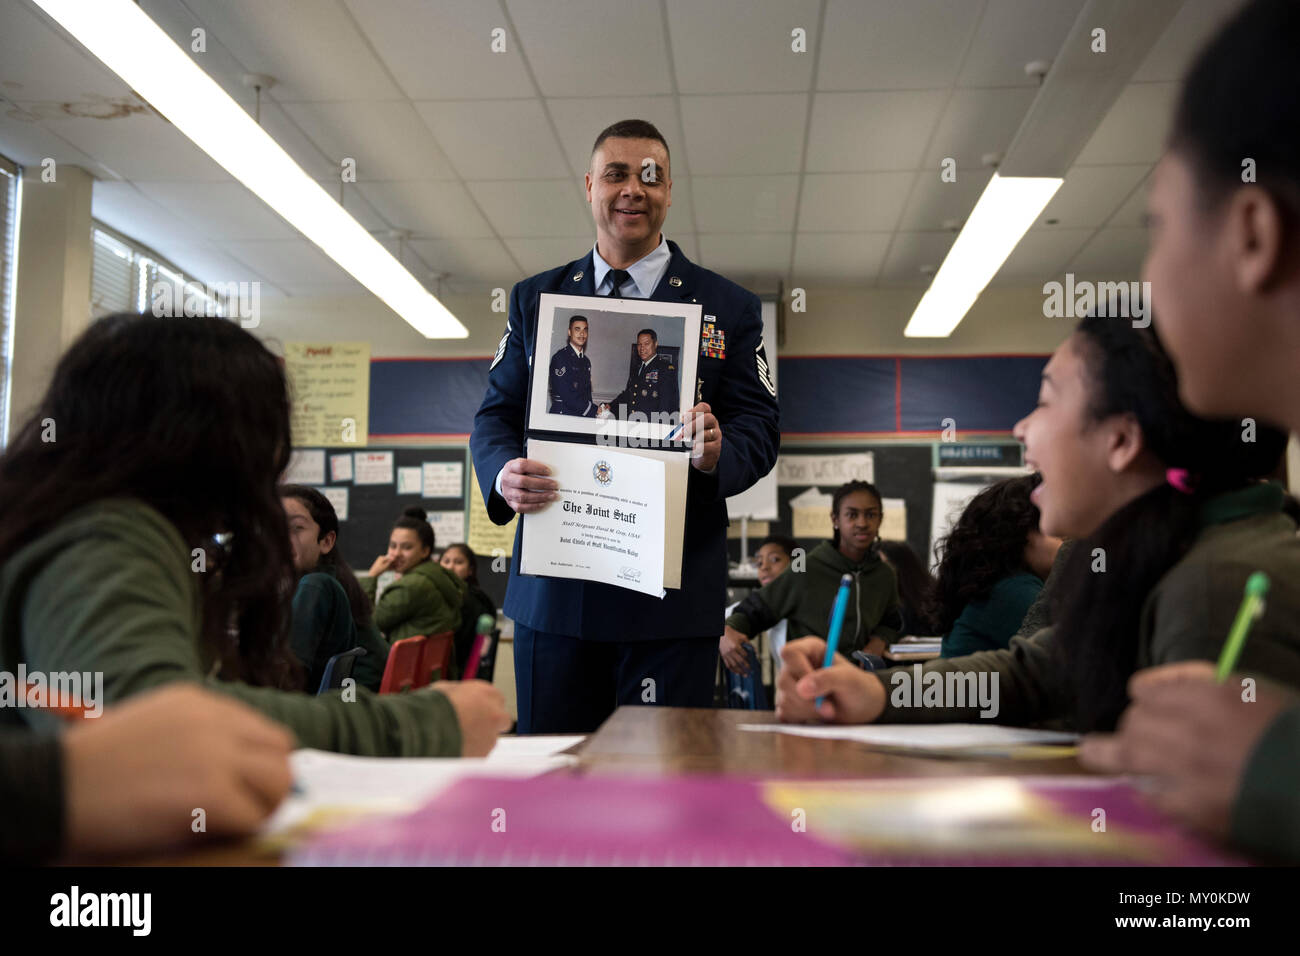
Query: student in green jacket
{"x":461,"y":561}
{"x":142,"y":537}
{"x":1171,"y":522}
{"x":992,"y":567}
{"x":331,"y":613}
{"x":1224,"y":272}
{"x":805,"y":597}
{"x":427,"y":598}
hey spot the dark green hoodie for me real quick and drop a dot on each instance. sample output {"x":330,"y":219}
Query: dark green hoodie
{"x":425,"y":600}
{"x":805,"y":598}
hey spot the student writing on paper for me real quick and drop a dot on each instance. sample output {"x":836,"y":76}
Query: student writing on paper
{"x":461,"y":561}
{"x":915,"y":588}
{"x":806,"y":597}
{"x":330,"y":611}
{"x":771,"y":560}
{"x":1225,"y":275}
{"x":993,"y":565}
{"x":1114,"y":447}
{"x":427,"y":598}
{"x":142,"y":537}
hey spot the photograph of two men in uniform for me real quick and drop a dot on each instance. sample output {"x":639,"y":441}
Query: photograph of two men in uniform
{"x":614,"y":365}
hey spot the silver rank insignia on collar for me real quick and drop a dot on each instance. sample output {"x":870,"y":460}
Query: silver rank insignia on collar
{"x":674,"y":281}
{"x":578,"y":277}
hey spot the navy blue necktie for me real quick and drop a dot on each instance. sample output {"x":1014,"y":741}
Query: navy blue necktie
{"x":619,"y":276}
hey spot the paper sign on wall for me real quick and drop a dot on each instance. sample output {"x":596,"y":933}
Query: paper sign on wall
{"x":810,"y":514}
{"x":306,"y":467}
{"x":340,"y":468}
{"x":330,"y":385}
{"x":484,"y":536}
{"x":893,"y":526}
{"x":408,"y":481}
{"x":338,"y":497}
{"x":373,"y":467}
{"x":825,"y":470}
{"x":448,"y":527}
{"x":443,"y":479}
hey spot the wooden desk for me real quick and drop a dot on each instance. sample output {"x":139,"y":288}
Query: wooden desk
{"x":684,"y":740}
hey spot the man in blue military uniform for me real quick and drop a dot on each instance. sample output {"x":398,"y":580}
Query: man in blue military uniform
{"x":570,"y":379}
{"x":582,"y":648}
{"x":652,"y":386}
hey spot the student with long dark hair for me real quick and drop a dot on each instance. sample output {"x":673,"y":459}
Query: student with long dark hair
{"x":331,"y":613}
{"x":1225,"y":277}
{"x":461,"y":561}
{"x":427,"y":598}
{"x":805,"y":598}
{"x":1172,"y":521}
{"x":142,"y":536}
{"x":992,"y":567}
{"x":915,"y":588}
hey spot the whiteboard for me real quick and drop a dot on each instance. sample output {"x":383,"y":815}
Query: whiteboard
{"x":759,"y":501}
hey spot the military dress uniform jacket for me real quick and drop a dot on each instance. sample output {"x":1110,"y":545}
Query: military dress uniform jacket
{"x":651,"y":388}
{"x":734,"y":380}
{"x":570,"y":383}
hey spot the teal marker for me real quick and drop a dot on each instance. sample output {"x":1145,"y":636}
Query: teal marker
{"x":1252,"y":608}
{"x":837,"y":622}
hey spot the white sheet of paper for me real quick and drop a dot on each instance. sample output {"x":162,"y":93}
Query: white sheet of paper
{"x":608,"y":524}
{"x":408,"y":481}
{"x":541,"y":745}
{"x":443,"y":479}
{"x":373,"y":467}
{"x":341,"y":467}
{"x":306,"y":467}
{"x":924,"y":736}
{"x":448,"y":527}
{"x":338,"y":497}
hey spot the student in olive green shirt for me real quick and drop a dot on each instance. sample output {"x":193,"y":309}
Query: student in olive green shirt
{"x":1155,"y":577}
{"x":427,"y":598}
{"x":144,"y":541}
{"x":1222,"y":265}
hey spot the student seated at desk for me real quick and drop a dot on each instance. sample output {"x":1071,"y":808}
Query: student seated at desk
{"x":1167,"y":503}
{"x":915,"y":588}
{"x":142,"y":537}
{"x":461,"y":561}
{"x":993,"y":565}
{"x":331,"y":613}
{"x":1223,"y":268}
{"x":427,"y":598}
{"x":772,"y":560}
{"x":128,"y":781}
{"x":806,"y":597}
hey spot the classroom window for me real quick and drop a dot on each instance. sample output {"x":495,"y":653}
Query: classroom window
{"x":10,"y":196}
{"x":127,"y":277}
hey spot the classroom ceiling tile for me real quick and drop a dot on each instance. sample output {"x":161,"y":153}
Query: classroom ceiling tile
{"x":743,"y":135}
{"x":1135,"y":128}
{"x":1090,"y":194}
{"x":864,"y":132}
{"x":496,"y":139}
{"x":355,"y":204}
{"x":126,"y":208}
{"x":745,"y":203}
{"x":746,"y":255}
{"x":935,"y":204}
{"x":534,"y":209}
{"x":1015,"y":32}
{"x":741,"y":46}
{"x":1134,"y":210}
{"x":1041,"y":255}
{"x":615,"y":47}
{"x":838,"y":258}
{"x":469,"y":260}
{"x":139,"y":147}
{"x":31,"y":43}
{"x":28,"y":142}
{"x":853,"y":202}
{"x":977,"y":122}
{"x":440,"y":210}
{"x":207,"y":263}
{"x":303,"y":149}
{"x":288,"y":262}
{"x":1190,"y":29}
{"x":887,"y":45}
{"x":580,"y":120}
{"x":388,"y":140}
{"x":910,"y":252}
{"x":540,"y":255}
{"x":218,"y":210}
{"x":1113,"y":253}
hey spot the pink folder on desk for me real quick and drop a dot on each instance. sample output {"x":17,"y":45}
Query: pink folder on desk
{"x":716,"y":821}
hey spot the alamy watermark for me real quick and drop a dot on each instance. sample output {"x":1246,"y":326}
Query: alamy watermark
{"x":948,"y":689}
{"x":75,"y":690}
{"x":1079,"y":299}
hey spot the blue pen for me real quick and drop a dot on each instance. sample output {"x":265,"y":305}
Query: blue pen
{"x":837,"y":622}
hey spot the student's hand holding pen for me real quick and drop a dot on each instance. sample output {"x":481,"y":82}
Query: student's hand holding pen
{"x":853,"y":696}
{"x":1192,"y":736}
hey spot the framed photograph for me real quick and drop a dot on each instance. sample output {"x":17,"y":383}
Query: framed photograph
{"x":622,"y":370}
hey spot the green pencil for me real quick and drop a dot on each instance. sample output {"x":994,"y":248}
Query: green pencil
{"x":1252,"y":607}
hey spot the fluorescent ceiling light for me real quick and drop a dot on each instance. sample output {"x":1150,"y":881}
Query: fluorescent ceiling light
{"x":137,"y":50}
{"x":1005,"y":211}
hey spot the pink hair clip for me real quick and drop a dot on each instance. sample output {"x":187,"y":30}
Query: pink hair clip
{"x":1182,"y":479}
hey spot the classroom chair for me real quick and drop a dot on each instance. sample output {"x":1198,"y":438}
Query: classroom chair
{"x":403,"y":667}
{"x":436,"y":657}
{"x":338,"y":669}
{"x":487,"y":661}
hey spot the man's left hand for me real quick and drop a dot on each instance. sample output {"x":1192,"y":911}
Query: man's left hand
{"x":702,"y":426}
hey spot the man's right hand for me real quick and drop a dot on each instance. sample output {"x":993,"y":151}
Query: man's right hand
{"x":853,"y":696}
{"x":525,"y":486}
{"x":481,"y":711}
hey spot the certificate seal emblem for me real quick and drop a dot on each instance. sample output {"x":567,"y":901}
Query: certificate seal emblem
{"x":602,"y":472}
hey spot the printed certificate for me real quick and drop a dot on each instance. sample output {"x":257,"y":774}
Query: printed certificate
{"x":609,"y":522}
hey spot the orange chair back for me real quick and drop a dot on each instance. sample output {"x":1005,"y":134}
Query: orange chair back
{"x":404,"y":666}
{"x":437,"y":657}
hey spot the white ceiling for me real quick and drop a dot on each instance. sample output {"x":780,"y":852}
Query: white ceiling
{"x":816,"y":168}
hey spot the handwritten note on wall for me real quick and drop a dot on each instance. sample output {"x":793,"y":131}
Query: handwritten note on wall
{"x":330,"y":386}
